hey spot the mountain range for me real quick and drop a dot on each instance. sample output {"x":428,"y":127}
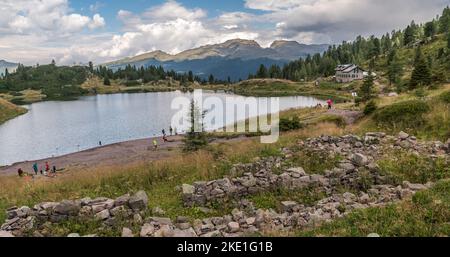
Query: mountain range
{"x":234,"y":58}
{"x":7,"y":65}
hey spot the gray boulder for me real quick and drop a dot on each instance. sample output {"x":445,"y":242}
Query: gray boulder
{"x":67,"y":207}
{"x":139,"y":201}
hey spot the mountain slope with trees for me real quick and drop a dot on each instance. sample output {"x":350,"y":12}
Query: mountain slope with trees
{"x":423,"y":48}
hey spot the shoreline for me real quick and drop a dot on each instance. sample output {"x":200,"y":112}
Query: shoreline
{"x":112,"y":154}
{"x":127,"y":152}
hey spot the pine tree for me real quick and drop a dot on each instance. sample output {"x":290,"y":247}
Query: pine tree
{"x":106,"y":81}
{"x":408,"y":36}
{"x":429,"y":29}
{"x":211,"y":79}
{"x":367,"y":87}
{"x":196,"y":137}
{"x":444,"y":21}
{"x":262,"y":72}
{"x":395,"y":68}
{"x":448,"y":40}
{"x":421,"y":75}
{"x":190,"y":76}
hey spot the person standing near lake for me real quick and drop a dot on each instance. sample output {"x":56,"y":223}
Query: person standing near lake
{"x":155,"y":144}
{"x":163,"y":132}
{"x":171,"y":130}
{"x":47,"y":167}
{"x":330,"y":103}
{"x":35,"y":168}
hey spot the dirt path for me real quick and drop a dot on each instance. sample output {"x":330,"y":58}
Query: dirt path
{"x":349,"y":116}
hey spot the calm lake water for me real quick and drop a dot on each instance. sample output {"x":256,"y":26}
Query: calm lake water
{"x":57,"y":128}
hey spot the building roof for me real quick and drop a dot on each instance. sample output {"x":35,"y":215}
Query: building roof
{"x":345,"y":68}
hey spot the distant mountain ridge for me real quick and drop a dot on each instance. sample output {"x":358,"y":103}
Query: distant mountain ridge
{"x":208,"y":59}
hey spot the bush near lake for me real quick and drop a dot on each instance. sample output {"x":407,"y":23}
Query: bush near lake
{"x":288,"y":124}
{"x":403,"y":115}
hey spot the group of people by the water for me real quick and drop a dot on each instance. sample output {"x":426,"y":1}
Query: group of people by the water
{"x":43,"y":170}
{"x":329,"y":104}
{"x":172,"y":131}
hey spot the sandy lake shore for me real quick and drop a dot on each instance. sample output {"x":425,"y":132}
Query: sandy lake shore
{"x":108,"y":155}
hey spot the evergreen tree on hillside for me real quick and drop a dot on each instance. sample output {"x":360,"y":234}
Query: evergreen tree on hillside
{"x":395,"y":69}
{"x":448,"y":41}
{"x":190,"y":76}
{"x":444,"y":21}
{"x":367,"y":87}
{"x":430,"y":29}
{"x":106,"y":81}
{"x":91,"y":67}
{"x":421,"y":75}
{"x":408,"y":36}
{"x":211,"y":79}
{"x":262,"y":72}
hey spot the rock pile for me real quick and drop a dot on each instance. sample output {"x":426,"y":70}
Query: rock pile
{"x":359,"y":155}
{"x":25,"y":219}
{"x":247,"y":220}
{"x":357,"y":172}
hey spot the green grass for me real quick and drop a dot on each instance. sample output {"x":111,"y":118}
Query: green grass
{"x":426,"y":215}
{"x":400,"y":165}
{"x":313,"y":162}
{"x":427,"y":119}
{"x":272,"y":200}
{"x":403,"y":115}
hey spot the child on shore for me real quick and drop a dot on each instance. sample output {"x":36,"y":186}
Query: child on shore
{"x":155,"y":144}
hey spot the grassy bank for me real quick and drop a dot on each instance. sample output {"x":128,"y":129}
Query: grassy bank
{"x":427,"y":117}
{"x":274,"y":87}
{"x":427,"y":214}
{"x":9,"y":110}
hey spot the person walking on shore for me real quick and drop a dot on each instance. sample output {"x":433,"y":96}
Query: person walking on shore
{"x":35,"y":168}
{"x":155,"y":144}
{"x":330,"y":104}
{"x":47,"y":167}
{"x":171,"y":130}
{"x":163,"y":132}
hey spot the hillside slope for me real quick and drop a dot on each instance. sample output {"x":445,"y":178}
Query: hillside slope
{"x":9,"y":110}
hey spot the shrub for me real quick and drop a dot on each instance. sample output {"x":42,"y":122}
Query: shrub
{"x":445,"y":97}
{"x":403,"y":115}
{"x":287,"y":124}
{"x":420,"y":93}
{"x":370,"y":108}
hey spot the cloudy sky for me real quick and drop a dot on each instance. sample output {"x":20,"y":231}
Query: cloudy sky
{"x":69,"y":31}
